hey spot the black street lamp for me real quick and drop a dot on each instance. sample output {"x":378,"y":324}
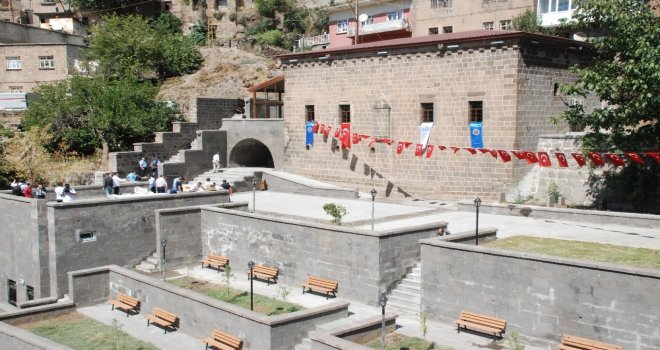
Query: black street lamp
{"x":163,"y":244}
{"x":251,"y":267}
{"x":373,"y":206}
{"x":477,"y":203}
{"x":382,"y":301}
{"x":254,"y":195}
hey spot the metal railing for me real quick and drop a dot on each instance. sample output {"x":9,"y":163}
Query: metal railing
{"x":380,"y":27}
{"x":309,"y":42}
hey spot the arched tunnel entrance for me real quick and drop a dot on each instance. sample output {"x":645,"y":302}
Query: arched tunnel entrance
{"x":251,"y":153}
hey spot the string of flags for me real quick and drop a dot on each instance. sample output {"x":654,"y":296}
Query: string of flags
{"x":346,"y":138}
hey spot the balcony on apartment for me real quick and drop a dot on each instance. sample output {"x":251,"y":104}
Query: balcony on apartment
{"x":395,"y":25}
{"x":552,"y":12}
{"x":309,"y":43}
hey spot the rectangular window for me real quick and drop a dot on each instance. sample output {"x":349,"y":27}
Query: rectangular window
{"x":46,"y":62}
{"x":14,"y":63}
{"x":345,"y":113}
{"x":29,"y":291}
{"x":441,"y":3}
{"x":370,"y":20}
{"x":563,"y":5}
{"x":309,"y":113}
{"x":393,"y":16}
{"x":342,"y":26}
{"x":48,"y":2}
{"x":89,"y":236}
{"x":488,"y":25}
{"x":506,"y":25}
{"x":448,"y":29}
{"x":15,"y":89}
{"x":11,"y":284}
{"x":433,"y":31}
{"x":476,"y":111}
{"x":427,"y":112}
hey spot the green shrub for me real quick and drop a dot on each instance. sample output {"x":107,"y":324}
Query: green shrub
{"x":233,"y":16}
{"x":261,"y":26}
{"x":336,"y":211}
{"x":553,"y":191}
{"x":272,"y":37}
{"x":219,"y":15}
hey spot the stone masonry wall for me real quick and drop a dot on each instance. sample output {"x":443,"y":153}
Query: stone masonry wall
{"x":14,"y":338}
{"x":363,"y":262}
{"x":385,"y":93}
{"x":543,"y":297}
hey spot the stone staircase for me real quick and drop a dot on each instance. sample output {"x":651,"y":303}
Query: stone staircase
{"x":149,"y":264}
{"x":406,"y":298}
{"x":178,"y":157}
{"x":306,"y":343}
{"x":239,"y":178}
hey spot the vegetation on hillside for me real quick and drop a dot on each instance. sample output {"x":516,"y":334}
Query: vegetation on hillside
{"x":625,"y":75}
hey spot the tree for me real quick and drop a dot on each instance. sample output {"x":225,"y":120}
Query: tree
{"x":528,"y":21}
{"x":625,"y":75}
{"x":6,"y":172}
{"x":85,"y":112}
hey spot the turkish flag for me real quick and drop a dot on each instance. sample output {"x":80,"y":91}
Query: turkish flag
{"x":356,"y":138}
{"x":531,"y":157}
{"x":327,"y":130}
{"x":520,"y":155}
{"x":654,"y":155}
{"x":442,"y":148}
{"x":338,"y":132}
{"x":429,"y":151}
{"x":579,"y":158}
{"x":561,"y":158}
{"x":635,"y":158}
{"x":387,"y":141}
{"x":345,"y":135}
{"x":322,"y":129}
{"x":316,"y":127}
{"x":504,"y":155}
{"x":372,"y":142}
{"x":419,"y":149}
{"x":596,"y":158}
{"x":455,"y":149}
{"x":407,"y":143}
{"x":544,"y":159}
{"x":483,"y":150}
{"x":399,"y":147}
{"x":615,"y":159}
{"x":470,"y":149}
{"x":364,"y":137}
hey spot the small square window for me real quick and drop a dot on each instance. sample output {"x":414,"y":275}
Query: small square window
{"x":427,"y":112}
{"x":342,"y":26}
{"x":88,"y":236}
{"x":433,"y":31}
{"x":309,"y":113}
{"x":488,"y":25}
{"x":29,"y":291}
{"x":506,"y":25}
{"x":476,"y":111}
{"x":14,"y":63}
{"x":441,"y":3}
{"x":345,"y":113}
{"x":448,"y":29}
{"x":46,"y":62}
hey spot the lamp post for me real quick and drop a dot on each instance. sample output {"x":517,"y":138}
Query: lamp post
{"x":163,"y":244}
{"x":373,"y":206}
{"x":382,"y":301}
{"x":477,"y":203}
{"x":254,"y":195}
{"x":251,"y":267}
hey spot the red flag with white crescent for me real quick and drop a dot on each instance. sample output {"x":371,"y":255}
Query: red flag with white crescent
{"x":419,"y":149}
{"x":455,"y":149}
{"x":635,"y":158}
{"x":654,"y":155}
{"x":442,"y":148}
{"x":531,"y":157}
{"x":579,"y":158}
{"x":372,"y":142}
{"x":483,"y":150}
{"x":387,"y":141}
{"x":327,"y":130}
{"x":504,"y":155}
{"x":519,"y":154}
{"x":356,"y":138}
{"x":316,"y":127}
{"x":322,"y":129}
{"x":470,"y":149}
{"x":364,"y":137}
{"x":615,"y":159}
{"x":345,"y":135}
{"x":338,"y":133}
{"x":407,"y":143}
{"x":561,"y":159}
{"x":544,"y":159}
{"x":399,"y":147}
{"x":596,"y":158}
{"x":429,"y":151}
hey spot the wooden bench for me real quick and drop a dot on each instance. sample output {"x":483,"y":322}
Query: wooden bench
{"x":217,"y":261}
{"x":481,"y":323}
{"x":571,"y":342}
{"x":126,"y":303}
{"x":223,"y":341}
{"x":321,"y":284}
{"x":264,"y":272}
{"x":162,"y":318}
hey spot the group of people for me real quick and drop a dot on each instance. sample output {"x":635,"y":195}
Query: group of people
{"x":24,"y":189}
{"x":142,"y":164}
{"x":111,"y":183}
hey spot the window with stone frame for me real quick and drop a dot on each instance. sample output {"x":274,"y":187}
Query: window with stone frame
{"x":14,"y":63}
{"x":433,"y":30}
{"x":448,"y":29}
{"x":476,"y":111}
{"x":427,"y":112}
{"x":488,"y":25}
{"x":441,"y":3}
{"x":309,"y":113}
{"x":46,"y":62}
{"x":506,"y":24}
{"x":342,"y":26}
{"x":15,"y":89}
{"x":345,"y":113}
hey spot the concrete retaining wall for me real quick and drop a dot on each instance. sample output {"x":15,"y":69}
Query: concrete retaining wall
{"x":13,"y":338}
{"x":350,"y":337}
{"x":543,"y":297}
{"x":363,"y":262}
{"x":577,"y":215}
{"x":284,"y":184}
{"x":199,"y":314}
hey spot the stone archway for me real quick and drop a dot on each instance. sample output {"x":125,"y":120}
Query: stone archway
{"x":251,"y":153}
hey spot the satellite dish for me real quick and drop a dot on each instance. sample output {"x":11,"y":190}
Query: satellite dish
{"x":363,"y":17}
{"x":580,"y":36}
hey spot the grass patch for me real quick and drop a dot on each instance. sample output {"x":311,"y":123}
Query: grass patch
{"x":262,"y":304}
{"x":78,"y":332}
{"x":395,"y":341}
{"x":638,"y":257}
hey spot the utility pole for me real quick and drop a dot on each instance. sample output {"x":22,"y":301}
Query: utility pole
{"x":357,"y":22}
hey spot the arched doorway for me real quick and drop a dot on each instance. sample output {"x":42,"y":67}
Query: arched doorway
{"x":251,"y":153}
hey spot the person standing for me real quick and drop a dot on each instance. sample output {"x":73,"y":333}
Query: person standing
{"x":216,"y":162}
{"x":152,"y":184}
{"x":41,"y":192}
{"x":27,"y":191}
{"x":154,"y":165}
{"x":143,"y":167}
{"x":107,"y":184}
{"x":116,"y":182}
{"x":68,"y":193}
{"x":161,"y":184}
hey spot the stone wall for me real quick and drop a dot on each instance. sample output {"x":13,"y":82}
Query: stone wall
{"x":199,"y":315}
{"x":211,"y":111}
{"x":363,"y":262}
{"x":198,"y":161}
{"x":242,"y":134}
{"x":387,"y":102}
{"x":18,"y":33}
{"x":14,"y":338}
{"x":543,"y":297}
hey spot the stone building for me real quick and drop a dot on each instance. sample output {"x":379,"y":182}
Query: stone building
{"x":507,"y":80}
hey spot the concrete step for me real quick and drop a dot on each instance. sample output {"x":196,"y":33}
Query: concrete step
{"x":146,"y":267}
{"x":153,"y":260}
{"x":403,"y":298}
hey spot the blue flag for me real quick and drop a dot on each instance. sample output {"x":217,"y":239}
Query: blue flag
{"x":309,"y":133}
{"x":476,"y":135}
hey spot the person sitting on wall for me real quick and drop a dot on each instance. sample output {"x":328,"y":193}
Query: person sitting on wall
{"x":161,"y":184}
{"x":65,"y":193}
{"x":225,"y":185}
{"x":209,"y":185}
{"x":27,"y":190}
{"x":132,"y":177}
{"x":41,"y":192}
{"x":197,"y":188}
